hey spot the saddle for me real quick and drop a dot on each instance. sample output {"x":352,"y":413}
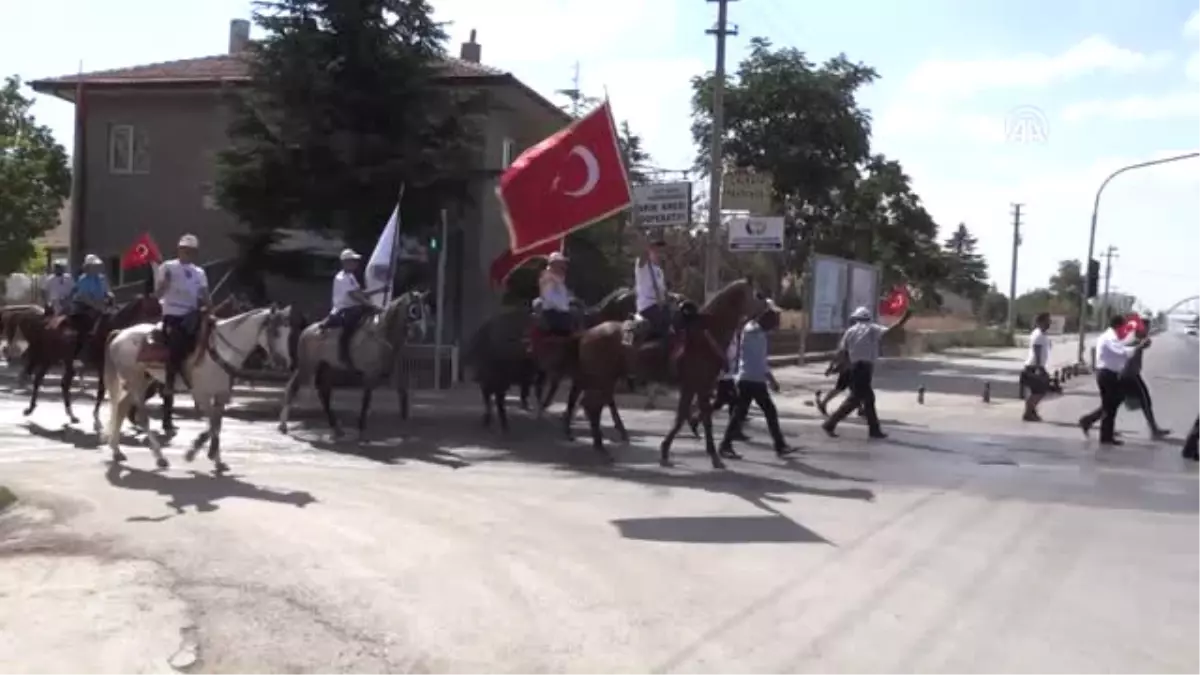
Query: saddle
{"x":155,"y":350}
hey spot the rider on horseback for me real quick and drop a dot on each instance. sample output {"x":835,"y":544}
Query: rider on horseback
{"x":87,"y":300}
{"x":182,"y":290}
{"x":56,"y":287}
{"x":650,"y":286}
{"x":350,"y":304}
{"x":555,"y":297}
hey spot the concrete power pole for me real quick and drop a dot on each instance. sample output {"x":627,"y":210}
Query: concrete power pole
{"x":1012,"y":282}
{"x":1108,"y":255}
{"x":712,"y":253}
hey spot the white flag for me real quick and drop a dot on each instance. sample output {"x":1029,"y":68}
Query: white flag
{"x":380,"y":268}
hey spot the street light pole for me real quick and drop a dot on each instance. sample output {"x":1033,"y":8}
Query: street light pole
{"x":1092,"y":236}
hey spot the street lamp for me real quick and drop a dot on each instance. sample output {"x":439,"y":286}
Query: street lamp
{"x":1092,"y":236}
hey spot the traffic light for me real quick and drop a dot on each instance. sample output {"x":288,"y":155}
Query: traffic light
{"x":433,"y":243}
{"x":1093,"y":278}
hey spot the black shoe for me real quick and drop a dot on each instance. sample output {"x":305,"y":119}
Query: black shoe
{"x":1159,"y":434}
{"x":1087,"y":428}
{"x":1111,"y":441}
{"x":877,"y":435}
{"x":1031,"y":417}
{"x":821,"y":405}
{"x":829,"y":430}
{"x":784,"y":451}
{"x":728,"y":453}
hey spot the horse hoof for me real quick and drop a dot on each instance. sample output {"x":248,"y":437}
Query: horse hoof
{"x":695,"y":431}
{"x":162,"y":463}
{"x":27,"y":412}
{"x":282,"y":427}
{"x":190,"y":455}
{"x":74,"y":420}
{"x":665,"y":463}
{"x":717,"y":463}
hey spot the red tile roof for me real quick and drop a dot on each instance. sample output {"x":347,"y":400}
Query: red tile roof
{"x":214,"y":69}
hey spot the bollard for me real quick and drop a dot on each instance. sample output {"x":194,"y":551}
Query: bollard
{"x":921,"y":394}
{"x":1055,"y":381}
{"x":987,"y":392}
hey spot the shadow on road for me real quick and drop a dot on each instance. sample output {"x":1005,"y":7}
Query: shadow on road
{"x":196,"y":489}
{"x":718,"y":530}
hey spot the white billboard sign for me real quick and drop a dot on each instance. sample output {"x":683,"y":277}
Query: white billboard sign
{"x":745,"y":191}
{"x":755,"y":233}
{"x":664,"y":204}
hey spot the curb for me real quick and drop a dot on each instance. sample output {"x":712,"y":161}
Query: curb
{"x":7,"y":498}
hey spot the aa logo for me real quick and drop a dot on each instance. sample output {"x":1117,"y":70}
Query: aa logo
{"x":1027,"y":125}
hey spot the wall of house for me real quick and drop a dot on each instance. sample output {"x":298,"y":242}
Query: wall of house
{"x":169,"y":195}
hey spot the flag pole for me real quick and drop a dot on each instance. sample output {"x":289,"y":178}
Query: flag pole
{"x":441,"y":292}
{"x":394,"y":262}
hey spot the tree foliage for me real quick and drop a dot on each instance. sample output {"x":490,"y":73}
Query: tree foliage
{"x":968,"y":270}
{"x":34,"y":178}
{"x":347,"y":103}
{"x":802,"y":122}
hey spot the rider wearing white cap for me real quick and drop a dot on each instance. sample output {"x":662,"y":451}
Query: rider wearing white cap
{"x":859,"y":348}
{"x":555,"y":296}
{"x":182,"y":289}
{"x":651,"y":288}
{"x":350,"y":304}
{"x":56,"y":286}
{"x":88,"y":299}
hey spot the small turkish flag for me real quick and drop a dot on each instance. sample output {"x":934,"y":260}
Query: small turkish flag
{"x":567,"y":182}
{"x":896,"y":302}
{"x":143,"y":252}
{"x":506,"y":262}
{"x":1133,"y":324}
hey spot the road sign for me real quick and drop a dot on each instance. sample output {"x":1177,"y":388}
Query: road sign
{"x":756,"y":233}
{"x":745,"y":191}
{"x":664,"y":204}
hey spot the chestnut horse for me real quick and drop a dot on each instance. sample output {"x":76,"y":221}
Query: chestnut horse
{"x":694,"y":363}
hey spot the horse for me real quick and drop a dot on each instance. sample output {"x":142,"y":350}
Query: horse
{"x":376,"y":348}
{"x":611,"y":350}
{"x":138,"y":354}
{"x":12,"y":318}
{"x":52,"y":341}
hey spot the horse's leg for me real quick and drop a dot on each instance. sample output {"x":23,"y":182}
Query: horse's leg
{"x":206,"y":408}
{"x":68,"y":379}
{"x":363,"y":410}
{"x":593,"y":404}
{"x":569,"y":413}
{"x":289,"y":395}
{"x":501,"y":411}
{"x":402,"y":396}
{"x":487,"y":405}
{"x":545,"y":401}
{"x":38,"y":376}
{"x":143,"y":414}
{"x":117,"y":408}
{"x":216,"y":417}
{"x":705,"y":405}
{"x":616,"y":418}
{"x":651,"y":396}
{"x":681,"y":413}
{"x":693,"y":423}
{"x":100,"y":391}
{"x":324,"y":392}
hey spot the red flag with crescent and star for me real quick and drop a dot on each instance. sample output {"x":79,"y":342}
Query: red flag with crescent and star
{"x":506,"y":262}
{"x":896,"y":302}
{"x":1133,"y":324}
{"x":143,"y":252}
{"x":567,"y":182}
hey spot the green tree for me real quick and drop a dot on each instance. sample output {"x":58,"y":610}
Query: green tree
{"x":993,"y":309}
{"x":346,"y":103}
{"x":968,"y":270}
{"x":1065,"y":284}
{"x":34,"y":178}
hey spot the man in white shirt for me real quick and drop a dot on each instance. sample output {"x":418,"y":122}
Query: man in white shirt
{"x":56,"y":287}
{"x":860,"y":348}
{"x":1034,"y":377}
{"x":650,"y":287}
{"x":1112,"y":355}
{"x":350,"y":304}
{"x":556,"y":297}
{"x":182,"y":290}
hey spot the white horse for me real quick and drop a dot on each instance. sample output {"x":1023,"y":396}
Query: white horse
{"x":134,"y":358}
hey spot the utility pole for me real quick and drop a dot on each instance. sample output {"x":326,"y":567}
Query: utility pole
{"x":1108,"y":255}
{"x":712,"y":255}
{"x":574,"y":94}
{"x":1012,"y":282}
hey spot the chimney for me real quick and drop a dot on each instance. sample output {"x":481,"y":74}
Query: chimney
{"x":239,"y":35}
{"x":470,"y":50}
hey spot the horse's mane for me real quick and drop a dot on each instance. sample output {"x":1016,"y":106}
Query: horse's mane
{"x":725,"y":295}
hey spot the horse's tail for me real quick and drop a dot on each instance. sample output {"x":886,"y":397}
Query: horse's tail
{"x":113,"y":385}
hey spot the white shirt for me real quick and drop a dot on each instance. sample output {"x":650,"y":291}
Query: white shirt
{"x":56,"y":289}
{"x":554,"y":292}
{"x":861,"y":341}
{"x":732,"y":354}
{"x":343,"y":284}
{"x":188,"y":283}
{"x":1038,"y":338}
{"x":1111,"y":352}
{"x":648,"y":283}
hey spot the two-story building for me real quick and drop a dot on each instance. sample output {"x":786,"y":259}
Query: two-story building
{"x":148,"y":137}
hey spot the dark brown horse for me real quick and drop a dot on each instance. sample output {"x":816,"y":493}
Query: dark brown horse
{"x":52,"y":342}
{"x":606,"y":355}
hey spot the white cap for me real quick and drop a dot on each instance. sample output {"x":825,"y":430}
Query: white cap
{"x":92,"y":259}
{"x":349,"y":254}
{"x":556,"y":257}
{"x":59,"y":262}
{"x":189,"y":241}
{"x":861,"y":314}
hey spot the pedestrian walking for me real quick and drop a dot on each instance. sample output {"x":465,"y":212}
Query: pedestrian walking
{"x":753,"y":379}
{"x":1034,"y":377}
{"x":1112,"y":355}
{"x":1137,"y":394}
{"x":860,"y":344}
{"x":727,"y":393}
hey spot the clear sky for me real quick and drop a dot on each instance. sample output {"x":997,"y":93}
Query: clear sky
{"x":1102,"y":83}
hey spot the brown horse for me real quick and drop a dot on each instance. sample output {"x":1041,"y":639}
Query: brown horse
{"x":52,"y":342}
{"x":606,"y":355}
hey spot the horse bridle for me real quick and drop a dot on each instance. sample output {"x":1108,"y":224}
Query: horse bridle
{"x":269,"y":325}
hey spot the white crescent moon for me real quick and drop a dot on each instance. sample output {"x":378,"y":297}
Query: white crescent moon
{"x":593,"y":172}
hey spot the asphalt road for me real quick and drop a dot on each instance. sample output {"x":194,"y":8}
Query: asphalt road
{"x":967,"y":542}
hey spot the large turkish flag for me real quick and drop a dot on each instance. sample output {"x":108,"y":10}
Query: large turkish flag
{"x":568,"y":181}
{"x":507,"y":262}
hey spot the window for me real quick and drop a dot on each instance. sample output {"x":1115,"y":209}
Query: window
{"x":508,"y":152}
{"x":128,"y":149}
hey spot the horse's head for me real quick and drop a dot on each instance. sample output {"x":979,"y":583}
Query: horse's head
{"x":738,"y":300}
{"x":406,"y":319}
{"x":275,"y":336}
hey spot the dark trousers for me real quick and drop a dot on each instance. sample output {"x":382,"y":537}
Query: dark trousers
{"x":659,"y":318}
{"x":862,"y":393}
{"x":1136,"y":389}
{"x":1191,"y":444}
{"x":1112,"y":394}
{"x":179,"y":333}
{"x":558,"y":322}
{"x":757,"y":393}
{"x":348,"y":320}
{"x":727,"y":395}
{"x":83,"y":320}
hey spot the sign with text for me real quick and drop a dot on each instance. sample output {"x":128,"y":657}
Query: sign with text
{"x":664,"y":204}
{"x":746,"y":191}
{"x":756,"y":233}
